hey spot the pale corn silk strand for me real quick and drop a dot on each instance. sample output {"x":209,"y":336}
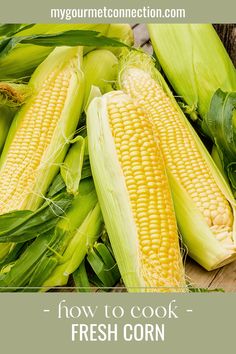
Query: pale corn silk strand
{"x":149,"y":194}
{"x":18,"y":174}
{"x":181,"y":153}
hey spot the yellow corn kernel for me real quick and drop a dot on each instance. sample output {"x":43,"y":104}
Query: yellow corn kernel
{"x":146,"y":244}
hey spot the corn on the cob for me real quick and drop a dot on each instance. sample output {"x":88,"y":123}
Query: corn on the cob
{"x":134,"y":194}
{"x":39,"y":136}
{"x":188,"y":163}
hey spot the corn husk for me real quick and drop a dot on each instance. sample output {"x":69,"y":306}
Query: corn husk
{"x":24,"y":58}
{"x":6,"y":116}
{"x":123,"y":32}
{"x":100,"y":68}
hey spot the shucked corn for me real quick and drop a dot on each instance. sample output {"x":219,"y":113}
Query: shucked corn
{"x":181,"y":152}
{"x":39,"y":137}
{"x":134,"y":194}
{"x":184,"y":160}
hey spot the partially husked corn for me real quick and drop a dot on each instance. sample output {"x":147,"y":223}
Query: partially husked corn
{"x":181,"y":152}
{"x":42,"y":129}
{"x":31,"y":140}
{"x":204,"y":204}
{"x":146,"y":191}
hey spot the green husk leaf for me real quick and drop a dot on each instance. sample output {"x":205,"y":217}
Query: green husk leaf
{"x":71,"y":168}
{"x":57,"y":186}
{"x":57,"y":244}
{"x":14,"y":254}
{"x":24,"y":267}
{"x":6,"y":116}
{"x":221,"y":124}
{"x":80,"y":278}
{"x":217,"y":158}
{"x":10,"y":29}
{"x":21,"y":226}
{"x":123,"y":32}
{"x":66,"y":38}
{"x":53,"y":28}
{"x":205,"y":290}
{"x":100,"y":269}
{"x":110,"y":265}
{"x":100,"y":69}
{"x":13,"y":67}
{"x":80,"y":239}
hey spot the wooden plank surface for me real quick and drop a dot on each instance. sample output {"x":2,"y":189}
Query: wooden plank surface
{"x":225,"y":277}
{"x":227,"y":34}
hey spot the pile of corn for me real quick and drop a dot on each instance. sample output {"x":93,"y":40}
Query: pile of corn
{"x":103,"y":179}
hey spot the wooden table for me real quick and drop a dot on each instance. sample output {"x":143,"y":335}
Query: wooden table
{"x":224,"y":277}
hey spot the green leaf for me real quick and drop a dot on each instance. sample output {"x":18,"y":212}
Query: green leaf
{"x":57,"y":186}
{"x":81,"y":279}
{"x":221,"y":124}
{"x":14,"y":254}
{"x":24,"y":267}
{"x":9,"y":29}
{"x":42,"y":271}
{"x":13,"y":219}
{"x":72,"y":166}
{"x":205,"y":290}
{"x":29,"y":225}
{"x":109,"y":261}
{"x":68,"y":38}
{"x":103,"y":265}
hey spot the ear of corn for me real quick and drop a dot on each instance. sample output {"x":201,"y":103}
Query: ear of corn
{"x":134,"y":195}
{"x":201,"y":64}
{"x":40,"y":134}
{"x":189,"y":166}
